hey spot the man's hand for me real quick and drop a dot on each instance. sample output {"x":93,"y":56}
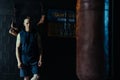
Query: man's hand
{"x":39,"y":63}
{"x":20,"y":65}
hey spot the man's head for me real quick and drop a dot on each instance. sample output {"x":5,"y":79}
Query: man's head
{"x":27,"y":24}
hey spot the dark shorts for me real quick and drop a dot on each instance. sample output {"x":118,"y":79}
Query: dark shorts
{"x":28,"y":69}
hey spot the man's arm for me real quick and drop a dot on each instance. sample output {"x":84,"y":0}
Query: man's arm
{"x":18,"y":52}
{"x":13,"y":31}
{"x":41,"y":20}
{"x":40,"y":51}
{"x":43,"y":11}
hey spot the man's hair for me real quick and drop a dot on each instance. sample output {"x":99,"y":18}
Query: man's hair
{"x":26,"y":18}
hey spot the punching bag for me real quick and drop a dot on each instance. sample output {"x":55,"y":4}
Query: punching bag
{"x":90,"y":39}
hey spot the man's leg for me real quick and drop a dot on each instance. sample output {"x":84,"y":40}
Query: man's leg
{"x":25,"y":72}
{"x":35,"y":71}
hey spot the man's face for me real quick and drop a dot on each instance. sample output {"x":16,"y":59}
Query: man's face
{"x":27,"y":23}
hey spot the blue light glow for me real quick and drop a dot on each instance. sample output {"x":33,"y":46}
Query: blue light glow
{"x":106,"y":34}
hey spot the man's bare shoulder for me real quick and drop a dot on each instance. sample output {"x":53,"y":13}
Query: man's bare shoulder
{"x":18,"y":36}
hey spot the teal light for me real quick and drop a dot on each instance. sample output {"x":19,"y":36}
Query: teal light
{"x":106,"y":34}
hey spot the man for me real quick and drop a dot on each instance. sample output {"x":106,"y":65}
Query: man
{"x":27,"y":8}
{"x":28,"y":51}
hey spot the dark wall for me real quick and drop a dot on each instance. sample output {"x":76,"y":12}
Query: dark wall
{"x":8,"y":66}
{"x":60,"y":59}
{"x":60,"y":53}
{"x":61,"y":4}
{"x":6,"y":7}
